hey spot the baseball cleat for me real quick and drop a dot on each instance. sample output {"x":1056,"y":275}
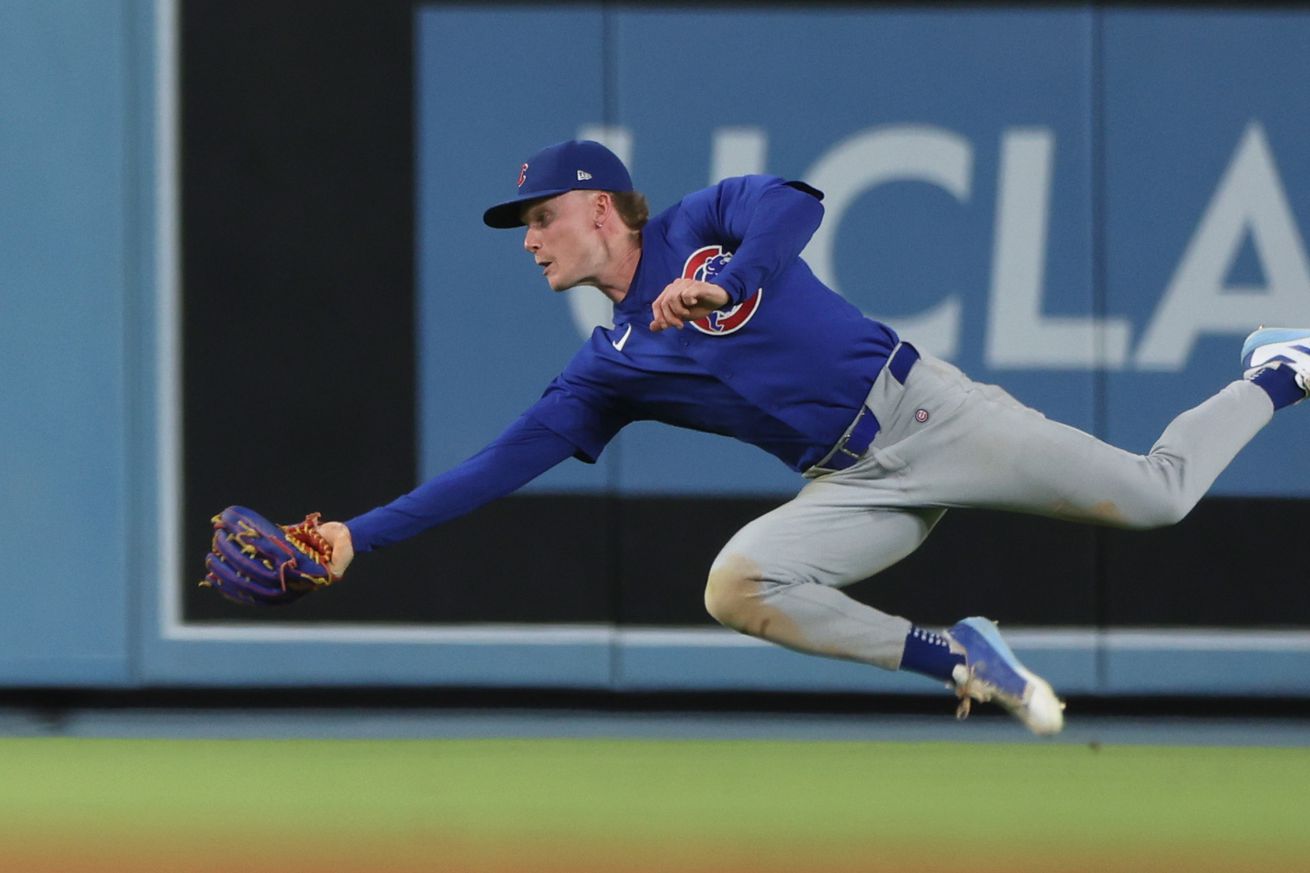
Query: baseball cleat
{"x":991,"y":672}
{"x":1279,"y":347}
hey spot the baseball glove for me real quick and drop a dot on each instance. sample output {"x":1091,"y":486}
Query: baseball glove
{"x":255,"y":562}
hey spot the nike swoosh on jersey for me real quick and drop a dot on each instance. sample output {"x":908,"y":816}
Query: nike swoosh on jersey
{"x":622,"y":341}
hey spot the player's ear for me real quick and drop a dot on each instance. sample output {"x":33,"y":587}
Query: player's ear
{"x":602,"y":204}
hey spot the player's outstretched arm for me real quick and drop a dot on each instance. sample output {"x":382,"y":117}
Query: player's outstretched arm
{"x":256,"y":562}
{"x":522,"y":453}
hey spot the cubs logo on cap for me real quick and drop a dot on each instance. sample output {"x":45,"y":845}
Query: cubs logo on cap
{"x":703,"y":265}
{"x":573,"y":165}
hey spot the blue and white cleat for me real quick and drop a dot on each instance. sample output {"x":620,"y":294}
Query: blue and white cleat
{"x":991,"y":672}
{"x":1279,"y":347}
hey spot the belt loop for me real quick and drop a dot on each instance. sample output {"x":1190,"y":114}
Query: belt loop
{"x":901,"y":361}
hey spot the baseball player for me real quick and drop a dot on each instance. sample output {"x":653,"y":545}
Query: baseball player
{"x":720,"y":326}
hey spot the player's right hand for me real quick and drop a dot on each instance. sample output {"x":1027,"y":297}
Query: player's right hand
{"x":343,"y":550}
{"x":684,"y":300}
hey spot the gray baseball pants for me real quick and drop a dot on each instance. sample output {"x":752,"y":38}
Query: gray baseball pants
{"x":947,"y":441}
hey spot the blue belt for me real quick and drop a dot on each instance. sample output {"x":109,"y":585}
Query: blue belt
{"x":866,"y":426}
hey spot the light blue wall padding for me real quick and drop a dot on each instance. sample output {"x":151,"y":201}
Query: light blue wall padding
{"x":1192,"y":131}
{"x":71,"y":115}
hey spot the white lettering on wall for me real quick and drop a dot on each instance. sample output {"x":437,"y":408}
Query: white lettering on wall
{"x":738,"y":151}
{"x":1018,"y":334}
{"x":1250,"y":200}
{"x":915,"y":153}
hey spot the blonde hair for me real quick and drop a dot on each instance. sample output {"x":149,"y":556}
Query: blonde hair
{"x":632,"y":208}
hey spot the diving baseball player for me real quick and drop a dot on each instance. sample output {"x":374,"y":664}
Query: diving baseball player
{"x":720,"y":326}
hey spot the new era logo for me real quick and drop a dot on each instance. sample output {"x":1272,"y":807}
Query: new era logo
{"x":583,"y":175}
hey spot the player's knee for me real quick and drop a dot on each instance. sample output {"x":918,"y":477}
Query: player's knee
{"x":1165,"y":516}
{"x":732,"y":593}
{"x":1164,"y":510}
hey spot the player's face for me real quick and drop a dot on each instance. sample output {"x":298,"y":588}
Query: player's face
{"x":562,"y":239}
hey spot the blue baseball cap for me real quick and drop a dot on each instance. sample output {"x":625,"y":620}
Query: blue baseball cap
{"x":574,"y":165}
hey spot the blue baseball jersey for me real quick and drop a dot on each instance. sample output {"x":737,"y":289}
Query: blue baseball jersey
{"x":785,"y":366}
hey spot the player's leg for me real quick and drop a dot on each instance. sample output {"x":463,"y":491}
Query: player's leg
{"x":981,"y":448}
{"x":777,"y":579}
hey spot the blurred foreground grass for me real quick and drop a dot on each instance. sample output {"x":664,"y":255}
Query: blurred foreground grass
{"x":581,"y":805}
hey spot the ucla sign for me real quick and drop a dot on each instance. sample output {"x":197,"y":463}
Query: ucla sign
{"x":1249,"y":203}
{"x":1091,"y":207}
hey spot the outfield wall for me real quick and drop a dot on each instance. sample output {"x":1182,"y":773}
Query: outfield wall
{"x":1089,"y":205}
{"x":77,"y":359}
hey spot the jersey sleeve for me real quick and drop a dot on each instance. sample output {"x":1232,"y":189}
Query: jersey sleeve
{"x":522,"y":453}
{"x":572,"y":419}
{"x":766,"y":220}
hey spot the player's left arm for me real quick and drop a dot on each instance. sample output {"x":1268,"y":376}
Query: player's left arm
{"x":765,"y":220}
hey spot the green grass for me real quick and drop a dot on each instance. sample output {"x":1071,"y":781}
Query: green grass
{"x":799,"y":797}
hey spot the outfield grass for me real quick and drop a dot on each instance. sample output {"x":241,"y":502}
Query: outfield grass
{"x":644,"y":805}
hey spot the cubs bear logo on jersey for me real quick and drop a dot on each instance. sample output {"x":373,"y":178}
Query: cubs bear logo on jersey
{"x":703,"y":264}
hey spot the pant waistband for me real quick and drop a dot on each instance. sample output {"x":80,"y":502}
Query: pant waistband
{"x":855,"y":442}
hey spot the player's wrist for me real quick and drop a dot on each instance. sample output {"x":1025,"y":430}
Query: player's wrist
{"x":732,"y":290}
{"x":343,"y":546}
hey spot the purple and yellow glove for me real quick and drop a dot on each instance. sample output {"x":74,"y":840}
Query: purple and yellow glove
{"x":255,"y":562}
